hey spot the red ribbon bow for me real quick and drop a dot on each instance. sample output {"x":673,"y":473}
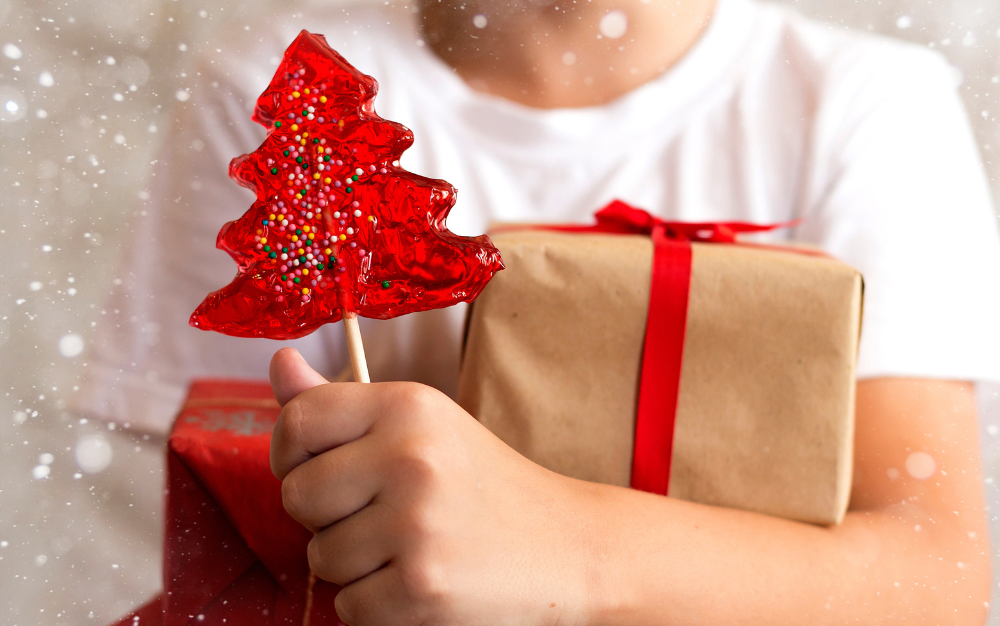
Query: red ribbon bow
{"x":621,"y":218}
{"x":666,"y":324}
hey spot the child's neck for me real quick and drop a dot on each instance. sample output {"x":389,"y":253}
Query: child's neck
{"x":543,"y":54}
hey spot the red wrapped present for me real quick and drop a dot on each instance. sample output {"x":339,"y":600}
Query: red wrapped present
{"x":232,"y":555}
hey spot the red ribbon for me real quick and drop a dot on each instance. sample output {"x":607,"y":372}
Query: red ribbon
{"x":666,"y":324}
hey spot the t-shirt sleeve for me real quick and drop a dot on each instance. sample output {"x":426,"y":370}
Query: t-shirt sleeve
{"x":143,"y":354}
{"x":898,"y":191}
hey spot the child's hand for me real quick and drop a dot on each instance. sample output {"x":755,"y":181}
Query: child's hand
{"x":421,"y":513}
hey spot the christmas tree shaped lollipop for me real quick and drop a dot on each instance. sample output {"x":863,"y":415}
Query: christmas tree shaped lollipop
{"x":338,"y":229}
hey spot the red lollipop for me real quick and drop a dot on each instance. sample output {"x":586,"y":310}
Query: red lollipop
{"x":338,"y":229}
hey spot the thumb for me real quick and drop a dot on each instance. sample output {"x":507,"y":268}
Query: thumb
{"x":291,"y":375}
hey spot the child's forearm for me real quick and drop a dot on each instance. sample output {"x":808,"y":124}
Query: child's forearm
{"x":423,"y":516}
{"x":667,"y":561}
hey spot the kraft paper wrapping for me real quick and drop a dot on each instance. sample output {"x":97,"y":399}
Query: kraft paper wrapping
{"x":765,"y":414}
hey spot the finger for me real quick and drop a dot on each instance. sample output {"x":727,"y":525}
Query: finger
{"x":291,"y":375}
{"x":378,"y":598}
{"x":322,"y":418}
{"x":354,"y":547}
{"x":329,"y":487}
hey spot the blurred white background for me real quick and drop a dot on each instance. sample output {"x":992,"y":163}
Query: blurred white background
{"x":85,"y":86}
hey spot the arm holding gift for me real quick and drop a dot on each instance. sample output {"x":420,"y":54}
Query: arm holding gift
{"x":426,"y":517}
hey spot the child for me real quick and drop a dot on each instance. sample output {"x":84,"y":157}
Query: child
{"x":544,"y":111}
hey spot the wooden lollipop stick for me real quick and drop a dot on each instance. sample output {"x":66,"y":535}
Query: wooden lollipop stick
{"x":309,"y":599}
{"x":360,"y":366}
{"x":356,"y":348}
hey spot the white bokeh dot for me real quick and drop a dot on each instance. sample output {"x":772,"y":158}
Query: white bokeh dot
{"x":183,"y":95}
{"x":40,"y":472}
{"x":13,"y":105}
{"x":479,"y":21}
{"x":614,"y":24}
{"x":93,"y":453}
{"x":70,"y":345}
{"x":11,"y":51}
{"x":920,"y":465}
{"x":568,"y":58}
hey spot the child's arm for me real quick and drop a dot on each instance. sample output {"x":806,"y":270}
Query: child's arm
{"x":910,"y":551}
{"x":427,"y":518}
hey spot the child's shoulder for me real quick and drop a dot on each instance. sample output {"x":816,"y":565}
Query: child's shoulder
{"x":830,"y":71}
{"x":361,"y":32}
{"x":833,"y":53}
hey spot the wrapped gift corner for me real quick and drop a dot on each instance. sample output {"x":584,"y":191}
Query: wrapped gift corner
{"x":765,"y":402}
{"x":232,"y":555}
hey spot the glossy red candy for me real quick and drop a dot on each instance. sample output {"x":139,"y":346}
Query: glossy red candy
{"x":337,"y":225}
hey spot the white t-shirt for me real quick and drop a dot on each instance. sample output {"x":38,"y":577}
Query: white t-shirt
{"x":770,"y":117}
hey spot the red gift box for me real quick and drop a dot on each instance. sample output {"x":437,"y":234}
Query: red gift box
{"x":232,"y":555}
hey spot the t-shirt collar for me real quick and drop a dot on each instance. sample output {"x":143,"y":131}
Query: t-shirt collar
{"x":514,"y":127}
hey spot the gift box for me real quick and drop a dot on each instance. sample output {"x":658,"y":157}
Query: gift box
{"x":232,"y":555}
{"x":670,"y":358}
